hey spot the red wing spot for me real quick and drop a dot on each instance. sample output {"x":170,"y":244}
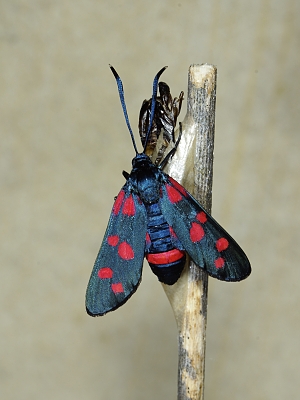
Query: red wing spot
{"x":117,"y":287}
{"x":148,"y":240}
{"x":196,"y":232}
{"x":113,"y":240}
{"x":118,"y":202}
{"x":178,"y":186}
{"x":222,"y":244}
{"x":125,"y":251}
{"x":105,"y":273}
{"x":173,"y":194}
{"x":219,"y":262}
{"x":201,"y":217}
{"x":173,"y":234}
{"x":129,"y":207}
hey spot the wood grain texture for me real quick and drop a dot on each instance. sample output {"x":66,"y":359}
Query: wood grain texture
{"x":192,"y":166}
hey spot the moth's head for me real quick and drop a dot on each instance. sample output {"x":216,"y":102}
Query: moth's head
{"x":141,"y":161}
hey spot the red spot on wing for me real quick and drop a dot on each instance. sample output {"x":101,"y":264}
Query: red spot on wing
{"x":178,"y":186}
{"x":125,"y":251}
{"x":129,"y":206}
{"x":173,"y":234}
{"x":219,"y":262}
{"x":173,"y":194}
{"x":113,"y":240}
{"x":196,"y":232}
{"x":117,"y":287}
{"x":148,"y":240}
{"x":118,"y":202}
{"x":105,"y":273}
{"x":201,"y":217}
{"x":222,"y":244}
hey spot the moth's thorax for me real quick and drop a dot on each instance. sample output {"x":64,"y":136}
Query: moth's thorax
{"x":145,"y":179}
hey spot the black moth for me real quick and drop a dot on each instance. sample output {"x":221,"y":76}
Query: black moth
{"x":153,"y":216}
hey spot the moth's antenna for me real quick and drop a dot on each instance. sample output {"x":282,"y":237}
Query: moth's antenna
{"x":121,"y":94}
{"x":153,"y":102}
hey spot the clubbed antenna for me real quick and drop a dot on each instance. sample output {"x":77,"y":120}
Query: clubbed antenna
{"x":121,"y":94}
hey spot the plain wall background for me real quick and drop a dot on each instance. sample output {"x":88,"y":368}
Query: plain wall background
{"x":63,"y":146}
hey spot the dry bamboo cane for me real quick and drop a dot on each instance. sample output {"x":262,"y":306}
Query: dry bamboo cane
{"x":192,"y":166}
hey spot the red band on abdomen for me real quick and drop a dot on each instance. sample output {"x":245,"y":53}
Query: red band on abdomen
{"x":165,"y":258}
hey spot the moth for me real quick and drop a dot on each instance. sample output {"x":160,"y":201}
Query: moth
{"x":155,"y":217}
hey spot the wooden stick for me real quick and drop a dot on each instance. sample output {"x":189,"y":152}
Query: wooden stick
{"x":192,"y":166}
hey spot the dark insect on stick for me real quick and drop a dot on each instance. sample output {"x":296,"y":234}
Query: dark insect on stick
{"x":155,"y":217}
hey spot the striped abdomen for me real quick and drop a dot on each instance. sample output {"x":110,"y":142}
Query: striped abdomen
{"x":164,"y":252}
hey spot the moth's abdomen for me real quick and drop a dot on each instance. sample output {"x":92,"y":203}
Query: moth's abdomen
{"x":164,"y":252}
{"x":167,"y":272}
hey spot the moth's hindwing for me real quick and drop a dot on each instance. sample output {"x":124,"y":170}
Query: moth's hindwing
{"x":208,"y":244}
{"x":118,"y":266}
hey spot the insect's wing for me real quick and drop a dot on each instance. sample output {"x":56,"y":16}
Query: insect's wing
{"x":208,"y":244}
{"x":118,"y":266}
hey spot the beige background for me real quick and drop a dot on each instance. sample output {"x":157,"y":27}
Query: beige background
{"x":63,"y":146}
